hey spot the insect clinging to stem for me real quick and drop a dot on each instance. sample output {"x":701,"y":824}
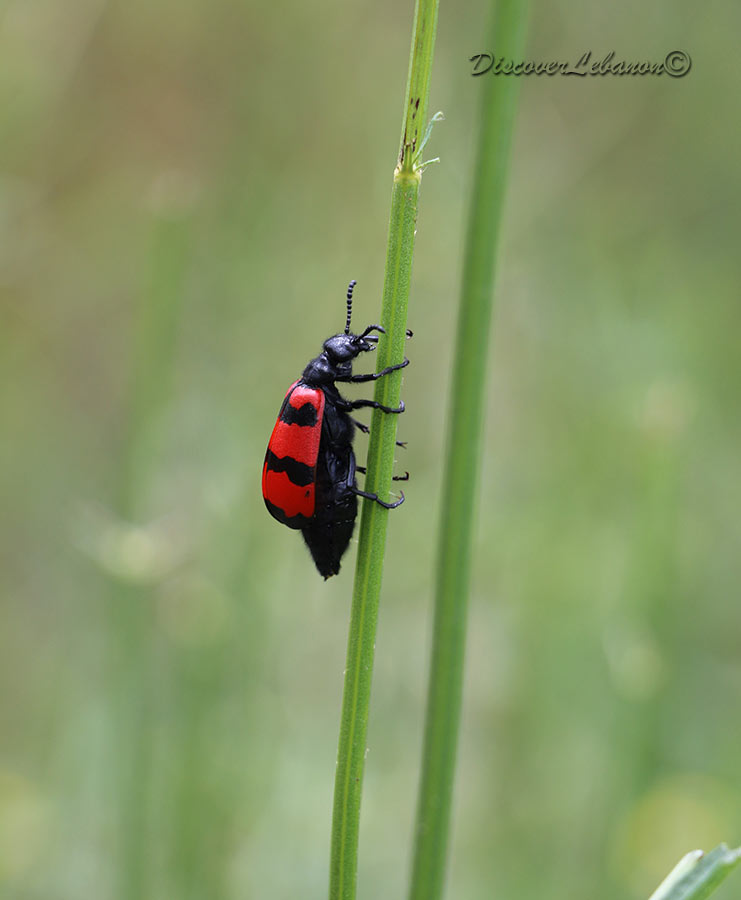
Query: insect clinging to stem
{"x":308,"y":478}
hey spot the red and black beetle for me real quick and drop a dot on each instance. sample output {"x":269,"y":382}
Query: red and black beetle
{"x":308,"y":479}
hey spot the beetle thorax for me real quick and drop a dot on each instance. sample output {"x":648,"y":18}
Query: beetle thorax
{"x":321,"y":370}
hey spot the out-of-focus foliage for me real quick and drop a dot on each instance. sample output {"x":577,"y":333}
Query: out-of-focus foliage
{"x":185,"y":190}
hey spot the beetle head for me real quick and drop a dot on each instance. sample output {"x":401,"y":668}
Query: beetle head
{"x":345,"y":347}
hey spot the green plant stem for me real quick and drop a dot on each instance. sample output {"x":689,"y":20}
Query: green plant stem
{"x":381,"y":452}
{"x":697,"y":874}
{"x":463,"y":456}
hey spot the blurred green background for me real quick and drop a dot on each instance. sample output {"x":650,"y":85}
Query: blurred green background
{"x":185,"y":191}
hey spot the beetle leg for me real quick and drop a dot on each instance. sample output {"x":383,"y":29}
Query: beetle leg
{"x":359,"y":404}
{"x":361,"y":426}
{"x":404,"y":477}
{"x":372,"y":376}
{"x":372,"y":328}
{"x":369,"y":496}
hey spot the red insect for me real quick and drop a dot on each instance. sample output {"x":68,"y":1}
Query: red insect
{"x":289,"y":473}
{"x":308,"y":479}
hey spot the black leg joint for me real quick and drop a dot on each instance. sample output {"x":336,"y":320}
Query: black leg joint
{"x":404,"y":477}
{"x":373,"y":376}
{"x":372,"y":404}
{"x":375,"y":498}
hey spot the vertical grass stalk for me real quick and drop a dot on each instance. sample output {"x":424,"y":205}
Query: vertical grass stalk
{"x":381,"y":452}
{"x":465,"y":419}
{"x":132,"y":601}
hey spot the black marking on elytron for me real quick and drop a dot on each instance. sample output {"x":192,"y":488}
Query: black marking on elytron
{"x":299,"y":473}
{"x":298,"y":522}
{"x":305,"y":415}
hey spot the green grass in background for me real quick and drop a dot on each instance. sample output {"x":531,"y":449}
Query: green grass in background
{"x":462,"y":464}
{"x":602,"y":660}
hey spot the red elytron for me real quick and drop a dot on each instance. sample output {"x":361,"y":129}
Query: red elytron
{"x":289,"y":473}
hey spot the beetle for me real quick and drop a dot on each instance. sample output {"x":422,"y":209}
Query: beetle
{"x":308,"y":477}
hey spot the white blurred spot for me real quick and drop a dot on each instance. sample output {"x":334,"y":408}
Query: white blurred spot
{"x":143,"y":554}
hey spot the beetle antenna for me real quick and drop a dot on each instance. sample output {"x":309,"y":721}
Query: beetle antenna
{"x":349,"y":304}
